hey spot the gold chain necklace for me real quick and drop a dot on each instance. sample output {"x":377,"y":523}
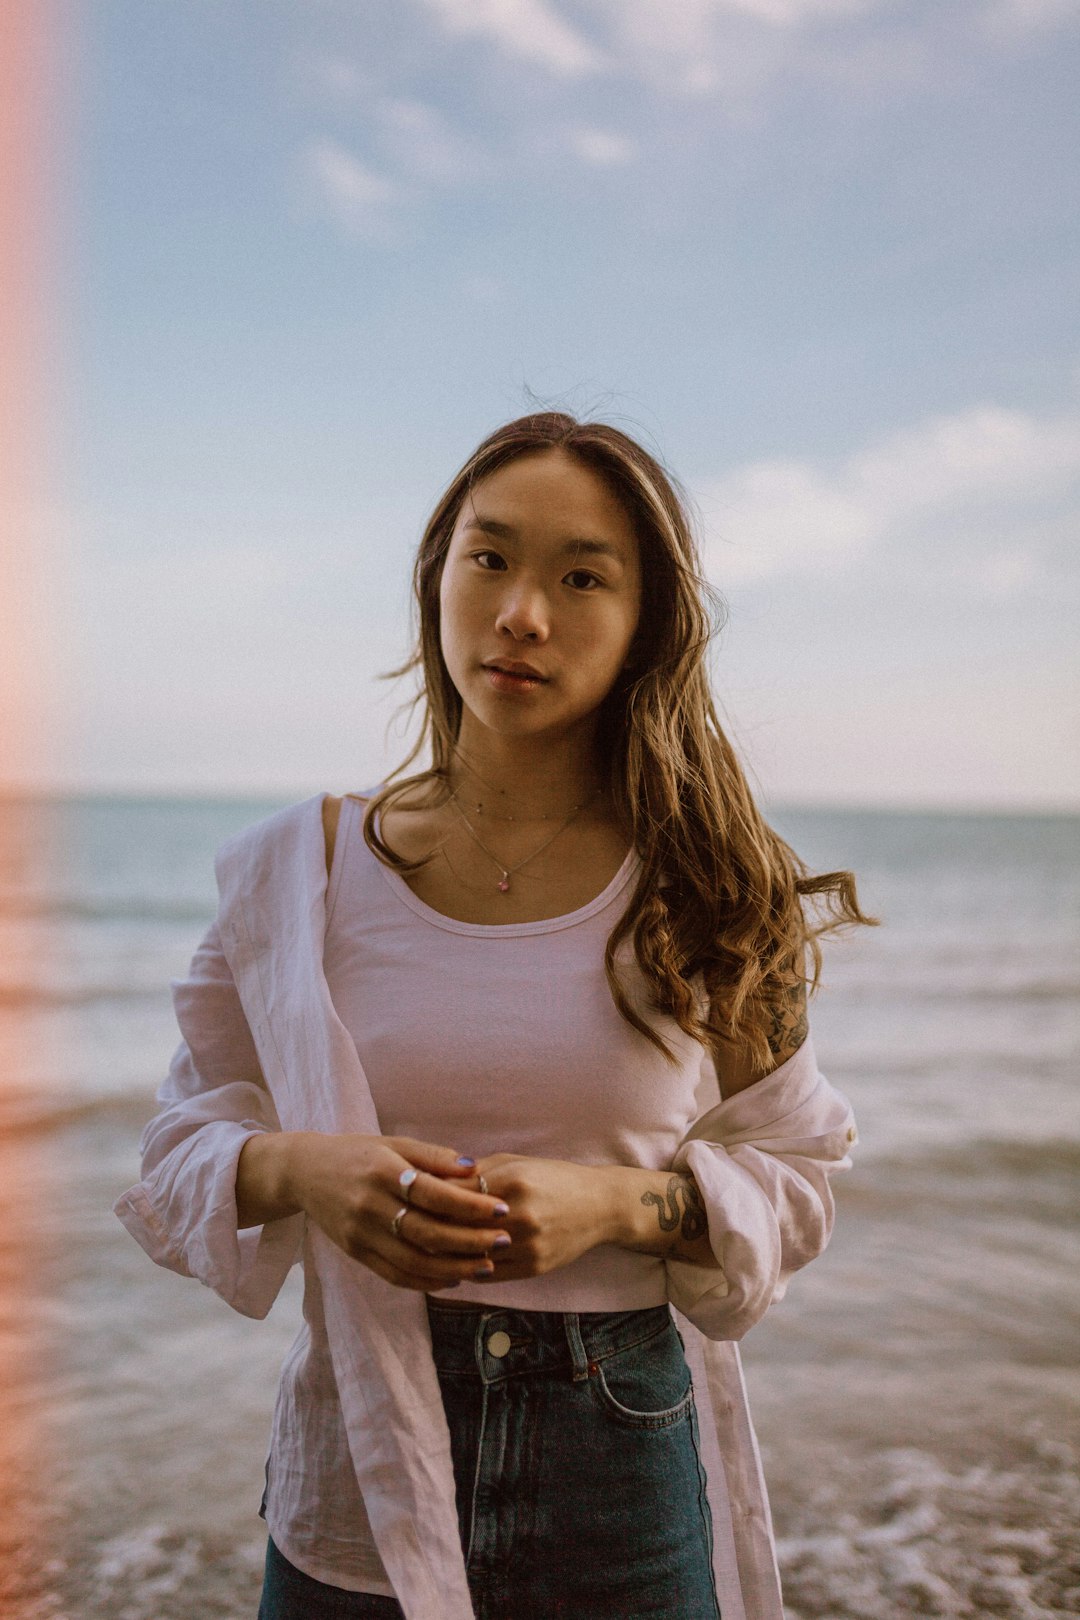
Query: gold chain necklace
{"x":494,"y":813}
{"x":508,"y":871}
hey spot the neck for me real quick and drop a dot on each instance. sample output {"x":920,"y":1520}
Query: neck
{"x":516,"y":776}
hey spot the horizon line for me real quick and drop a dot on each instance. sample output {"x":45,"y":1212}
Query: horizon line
{"x":28,"y":792}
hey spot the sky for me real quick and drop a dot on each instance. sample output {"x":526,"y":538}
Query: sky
{"x":820,"y":255}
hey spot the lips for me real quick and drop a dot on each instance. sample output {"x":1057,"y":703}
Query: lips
{"x":510,"y":666}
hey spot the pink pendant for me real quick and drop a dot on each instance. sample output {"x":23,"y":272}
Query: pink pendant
{"x":504,"y":883}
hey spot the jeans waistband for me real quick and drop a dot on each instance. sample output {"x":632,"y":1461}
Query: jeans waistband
{"x":497,"y":1344}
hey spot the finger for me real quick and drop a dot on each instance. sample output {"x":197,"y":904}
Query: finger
{"x":398,"y":1249}
{"x":440,"y":1161}
{"x":448,"y":1274}
{"x":429,"y":1236}
{"x":451,"y":1201}
{"x":440,"y":1268}
{"x":435,"y":1236}
{"x":399,"y":1277}
{"x":476,"y":1183}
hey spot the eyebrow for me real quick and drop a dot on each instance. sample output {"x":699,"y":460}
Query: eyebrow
{"x":582,"y":545}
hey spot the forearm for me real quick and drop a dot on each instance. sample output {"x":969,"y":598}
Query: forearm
{"x":264,"y":1178}
{"x":656,"y":1212}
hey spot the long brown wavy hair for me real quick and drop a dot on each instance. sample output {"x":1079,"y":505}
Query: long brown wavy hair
{"x":720,"y":893}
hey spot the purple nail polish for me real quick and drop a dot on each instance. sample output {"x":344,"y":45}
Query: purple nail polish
{"x":502,"y":1209}
{"x":468,"y":1162}
{"x":501,"y":1241}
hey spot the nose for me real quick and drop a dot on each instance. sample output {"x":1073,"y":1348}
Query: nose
{"x":524,"y":613}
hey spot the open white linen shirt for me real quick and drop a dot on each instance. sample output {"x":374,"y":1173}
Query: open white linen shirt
{"x":264,"y":1049}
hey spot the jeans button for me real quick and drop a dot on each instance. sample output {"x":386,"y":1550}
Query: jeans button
{"x":498,"y":1344}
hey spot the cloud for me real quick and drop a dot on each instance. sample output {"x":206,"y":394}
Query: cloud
{"x":421,"y":141}
{"x":602,"y":147}
{"x":976,"y":493}
{"x":786,"y":13}
{"x":419,"y":148}
{"x":354,"y":193}
{"x":733,"y":50}
{"x":774,"y":516}
{"x":695,"y":25}
{"x":1005,"y":17}
{"x":729,"y":50}
{"x":334,"y":79}
{"x":531,"y":30}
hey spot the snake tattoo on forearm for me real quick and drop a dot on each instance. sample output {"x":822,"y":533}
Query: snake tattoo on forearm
{"x":693,"y":1221}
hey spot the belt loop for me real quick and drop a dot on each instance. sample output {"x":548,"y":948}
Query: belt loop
{"x":577,"y":1348}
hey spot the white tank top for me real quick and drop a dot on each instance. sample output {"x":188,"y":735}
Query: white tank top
{"x":503,"y":1038}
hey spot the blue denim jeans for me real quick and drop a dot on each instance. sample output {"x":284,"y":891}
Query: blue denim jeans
{"x":580,"y":1489}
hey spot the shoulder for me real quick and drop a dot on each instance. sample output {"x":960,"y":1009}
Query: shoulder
{"x":412,"y":821}
{"x":277,"y":830}
{"x":782,"y":1022}
{"x":268,"y":853}
{"x":331,"y":815}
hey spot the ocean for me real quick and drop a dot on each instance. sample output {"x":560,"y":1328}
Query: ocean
{"x":916,"y":1394}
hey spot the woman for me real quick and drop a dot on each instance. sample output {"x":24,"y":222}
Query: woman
{"x":513,"y":1054}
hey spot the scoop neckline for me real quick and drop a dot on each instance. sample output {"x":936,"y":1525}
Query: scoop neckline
{"x":546,"y":925}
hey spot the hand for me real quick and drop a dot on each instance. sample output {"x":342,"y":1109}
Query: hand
{"x":348,"y":1185}
{"x":558,"y":1210}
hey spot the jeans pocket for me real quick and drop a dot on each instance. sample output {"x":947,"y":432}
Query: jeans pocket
{"x":648,"y":1385}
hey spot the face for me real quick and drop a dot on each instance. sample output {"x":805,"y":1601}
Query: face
{"x":543,"y":570}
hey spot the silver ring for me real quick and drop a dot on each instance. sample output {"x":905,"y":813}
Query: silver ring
{"x":405,"y":1182}
{"x":395,"y":1224}
{"x":483,"y":1184}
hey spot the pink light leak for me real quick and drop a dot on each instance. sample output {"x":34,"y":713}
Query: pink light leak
{"x":32,"y":112}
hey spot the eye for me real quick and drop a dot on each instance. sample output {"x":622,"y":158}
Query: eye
{"x":590,"y":579}
{"x":477,"y":555}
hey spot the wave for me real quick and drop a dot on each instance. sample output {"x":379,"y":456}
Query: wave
{"x":1033,"y":990}
{"x":904,"y":1532}
{"x":28,"y":1112}
{"x":105,"y":908}
{"x":1037,"y":1179}
{"x":993,"y":1155}
{"x":22,"y":997}
{"x":994,"y":986}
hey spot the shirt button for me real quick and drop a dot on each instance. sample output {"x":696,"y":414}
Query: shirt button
{"x":498,"y":1344}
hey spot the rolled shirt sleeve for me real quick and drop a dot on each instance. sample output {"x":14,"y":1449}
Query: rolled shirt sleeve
{"x":214,"y":1098}
{"x":762,"y":1160}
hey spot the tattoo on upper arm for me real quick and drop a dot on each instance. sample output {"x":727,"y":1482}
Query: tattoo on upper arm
{"x":693,"y":1222}
{"x":788,"y":1026}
